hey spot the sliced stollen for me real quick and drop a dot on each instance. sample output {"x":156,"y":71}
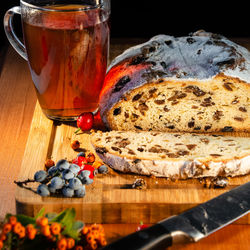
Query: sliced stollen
{"x":197,"y":83}
{"x":174,"y":155}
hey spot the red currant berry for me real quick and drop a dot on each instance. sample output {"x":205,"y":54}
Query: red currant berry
{"x":80,"y":161}
{"x":85,"y":121}
{"x":141,"y":227}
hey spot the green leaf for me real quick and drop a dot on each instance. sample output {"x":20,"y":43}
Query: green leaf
{"x":59,"y":217}
{"x":71,"y":233}
{"x":50,"y":216}
{"x":25,"y":220}
{"x":40,"y":213}
{"x":78,"y":225}
{"x":69,"y":217}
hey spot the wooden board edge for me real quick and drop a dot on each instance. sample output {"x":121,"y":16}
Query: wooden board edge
{"x":121,"y":213}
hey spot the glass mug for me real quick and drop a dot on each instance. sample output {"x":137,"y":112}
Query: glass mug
{"x":66,"y":44}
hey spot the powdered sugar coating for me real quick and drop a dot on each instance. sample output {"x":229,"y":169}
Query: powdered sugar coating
{"x":199,"y":56}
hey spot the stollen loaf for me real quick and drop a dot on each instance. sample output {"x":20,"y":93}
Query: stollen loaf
{"x":173,"y":155}
{"x":197,"y":83}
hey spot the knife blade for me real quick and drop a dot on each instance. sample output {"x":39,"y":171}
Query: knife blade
{"x":192,"y":225}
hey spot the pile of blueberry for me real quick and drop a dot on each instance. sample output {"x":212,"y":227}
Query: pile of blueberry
{"x":68,"y":179}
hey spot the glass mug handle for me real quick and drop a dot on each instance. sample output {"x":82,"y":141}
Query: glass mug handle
{"x":8,"y":27}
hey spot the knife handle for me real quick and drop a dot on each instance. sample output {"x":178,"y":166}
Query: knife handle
{"x":154,"y":237}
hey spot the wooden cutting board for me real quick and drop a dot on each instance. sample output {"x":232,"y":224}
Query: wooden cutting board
{"x":110,"y":199}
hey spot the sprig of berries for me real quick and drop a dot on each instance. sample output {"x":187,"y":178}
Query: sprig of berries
{"x":67,"y":178}
{"x":51,"y":231}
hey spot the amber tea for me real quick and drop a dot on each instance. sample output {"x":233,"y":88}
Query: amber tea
{"x":67,"y":54}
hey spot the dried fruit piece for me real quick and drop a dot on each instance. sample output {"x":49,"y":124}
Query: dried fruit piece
{"x":75,"y":145}
{"x":49,"y":163}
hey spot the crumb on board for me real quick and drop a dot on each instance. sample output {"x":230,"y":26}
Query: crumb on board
{"x":215,"y":182}
{"x":139,"y":184}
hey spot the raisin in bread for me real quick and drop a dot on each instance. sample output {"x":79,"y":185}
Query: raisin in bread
{"x":199,"y":83}
{"x":174,"y":155}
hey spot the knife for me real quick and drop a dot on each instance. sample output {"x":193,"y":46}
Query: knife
{"x":192,"y":225}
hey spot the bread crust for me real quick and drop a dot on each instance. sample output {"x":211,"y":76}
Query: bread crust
{"x":199,"y":59}
{"x":187,"y":166}
{"x":180,"y":169}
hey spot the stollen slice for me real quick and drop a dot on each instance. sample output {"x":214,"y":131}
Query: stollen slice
{"x":174,"y":155}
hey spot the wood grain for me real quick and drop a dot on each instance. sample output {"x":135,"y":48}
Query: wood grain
{"x":17,"y":103}
{"x":111,"y":198}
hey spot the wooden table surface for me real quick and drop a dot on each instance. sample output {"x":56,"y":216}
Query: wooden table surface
{"x":17,"y":103}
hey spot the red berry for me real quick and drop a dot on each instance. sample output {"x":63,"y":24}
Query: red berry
{"x":80,"y":161}
{"x":90,"y":158}
{"x":90,"y":168}
{"x":141,"y":227}
{"x":85,"y":121}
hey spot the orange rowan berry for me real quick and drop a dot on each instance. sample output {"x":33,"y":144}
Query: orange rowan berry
{"x":22,"y":232}
{"x":55,"y":228}
{"x":42,"y":221}
{"x":3,"y":237}
{"x":78,"y":247}
{"x":1,"y":244}
{"x":45,"y":230}
{"x":62,"y":244}
{"x":93,"y":244}
{"x":96,"y":164}
{"x":32,"y":233}
{"x":90,"y":237}
{"x":12,"y":220}
{"x":70,"y":243}
{"x":102,"y":241}
{"x":29,"y":227}
{"x":7,"y":228}
{"x":85,"y":230}
{"x":95,"y":234}
{"x":17,"y":227}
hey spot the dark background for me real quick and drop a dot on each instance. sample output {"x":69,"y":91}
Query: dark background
{"x":144,"y":19}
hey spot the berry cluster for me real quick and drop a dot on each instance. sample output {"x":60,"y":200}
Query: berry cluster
{"x":69,"y":179}
{"x":93,"y":236}
{"x":14,"y":228}
{"x":51,"y":235}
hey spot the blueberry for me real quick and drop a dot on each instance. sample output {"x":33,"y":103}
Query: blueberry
{"x":53,"y":171}
{"x":51,"y":189}
{"x":84,"y":177}
{"x":84,"y":173}
{"x":67,"y":174}
{"x":87,"y":181}
{"x":40,"y":176}
{"x":68,"y":192}
{"x":43,"y":190}
{"x":74,"y":168}
{"x":103,"y":169}
{"x":57,"y":182}
{"x":75,"y":183}
{"x":62,"y":164}
{"x":80,"y":192}
{"x":81,"y":154}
